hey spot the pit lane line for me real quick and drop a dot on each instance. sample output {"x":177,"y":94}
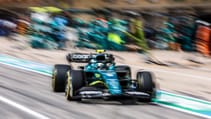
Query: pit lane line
{"x":22,"y":108}
{"x":181,"y":110}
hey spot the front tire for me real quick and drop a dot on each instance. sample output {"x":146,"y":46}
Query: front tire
{"x":59,"y":77}
{"x":74,"y":82}
{"x":146,"y":84}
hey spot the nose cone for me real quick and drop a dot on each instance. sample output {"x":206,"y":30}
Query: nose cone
{"x":112,"y":82}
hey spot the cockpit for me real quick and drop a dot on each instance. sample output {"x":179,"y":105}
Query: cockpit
{"x":101,"y":62}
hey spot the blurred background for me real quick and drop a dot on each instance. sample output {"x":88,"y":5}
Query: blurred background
{"x":123,"y":25}
{"x":171,"y":38}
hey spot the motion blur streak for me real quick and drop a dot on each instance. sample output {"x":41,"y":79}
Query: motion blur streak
{"x":33,"y":90}
{"x":176,"y":73}
{"x":25,"y":109}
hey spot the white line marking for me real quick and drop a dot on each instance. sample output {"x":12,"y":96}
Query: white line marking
{"x":182,"y":110}
{"x":25,"y":109}
{"x":191,"y":98}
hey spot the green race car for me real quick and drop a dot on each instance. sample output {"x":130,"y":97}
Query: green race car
{"x":101,"y":78}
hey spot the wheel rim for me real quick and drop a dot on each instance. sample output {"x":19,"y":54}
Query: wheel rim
{"x":67,"y":90}
{"x":68,"y":87}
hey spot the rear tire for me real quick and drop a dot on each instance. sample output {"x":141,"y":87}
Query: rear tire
{"x":146,"y":84}
{"x":123,"y":68}
{"x":124,"y":75}
{"x":75,"y":81}
{"x":59,"y":77}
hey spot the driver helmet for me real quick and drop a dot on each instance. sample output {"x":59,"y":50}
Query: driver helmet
{"x":92,"y":61}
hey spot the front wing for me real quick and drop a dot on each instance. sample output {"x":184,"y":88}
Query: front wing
{"x":95,"y":94}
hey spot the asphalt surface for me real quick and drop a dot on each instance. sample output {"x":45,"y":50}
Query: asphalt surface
{"x":34,"y":92}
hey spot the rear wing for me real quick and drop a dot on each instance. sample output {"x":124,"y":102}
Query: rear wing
{"x":78,"y":57}
{"x":85,"y":58}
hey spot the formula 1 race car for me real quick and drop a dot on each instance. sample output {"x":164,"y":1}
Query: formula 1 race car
{"x":101,"y":78}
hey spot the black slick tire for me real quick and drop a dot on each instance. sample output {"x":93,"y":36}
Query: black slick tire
{"x":59,"y":77}
{"x":123,"y":68}
{"x":146,"y":84}
{"x":74,"y":82}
